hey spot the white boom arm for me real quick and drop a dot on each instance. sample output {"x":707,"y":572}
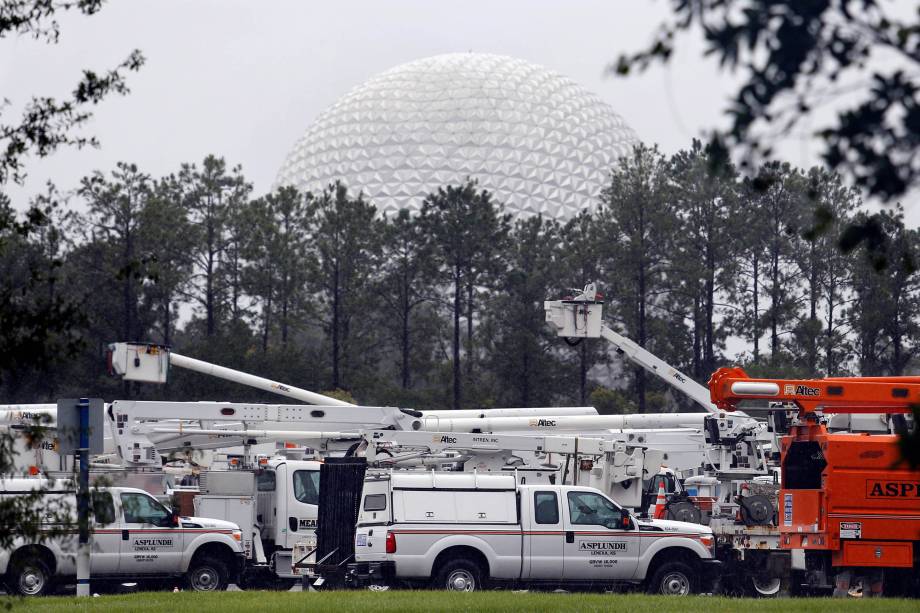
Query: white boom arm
{"x":655,"y":365}
{"x":151,"y":363}
{"x":581,"y":317}
{"x":142,"y":430}
{"x":563,"y":423}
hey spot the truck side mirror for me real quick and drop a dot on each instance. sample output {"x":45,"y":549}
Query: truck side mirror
{"x":174,"y":518}
{"x":625,"y":520}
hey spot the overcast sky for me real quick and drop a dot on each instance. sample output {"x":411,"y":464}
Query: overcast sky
{"x":243,"y":80}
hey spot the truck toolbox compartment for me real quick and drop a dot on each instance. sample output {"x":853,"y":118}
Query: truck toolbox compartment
{"x":877,"y":553}
{"x":227,"y":482}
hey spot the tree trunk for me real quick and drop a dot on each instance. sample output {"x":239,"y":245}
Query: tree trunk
{"x":697,"y":341}
{"x":266,"y":323}
{"x":469,"y":331}
{"x":709,"y":299}
{"x":456,"y":347}
{"x":284,"y":319}
{"x":755,"y":320}
{"x":209,"y":273}
{"x":525,"y":380}
{"x":167,"y":320}
{"x":404,"y":345}
{"x":774,"y":304}
{"x":829,"y":366}
{"x":641,"y":339}
{"x":335,"y":325}
{"x":127,"y":285}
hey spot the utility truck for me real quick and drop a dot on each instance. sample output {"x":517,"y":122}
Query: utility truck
{"x":850,"y":503}
{"x":133,"y":538}
{"x":465,"y":532}
{"x":733,"y":487}
{"x":277,"y":504}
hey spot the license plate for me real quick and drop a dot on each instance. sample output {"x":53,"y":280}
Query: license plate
{"x":361,"y":541}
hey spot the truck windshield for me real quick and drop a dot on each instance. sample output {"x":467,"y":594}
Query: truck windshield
{"x":592,"y":509}
{"x":306,"y":486}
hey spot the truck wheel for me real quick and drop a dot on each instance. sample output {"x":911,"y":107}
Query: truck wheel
{"x":29,"y":577}
{"x":459,"y":575}
{"x":673,"y":579}
{"x":766,"y":586}
{"x":207,"y":574}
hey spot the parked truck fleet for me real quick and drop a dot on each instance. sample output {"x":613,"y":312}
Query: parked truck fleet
{"x":463,"y":500}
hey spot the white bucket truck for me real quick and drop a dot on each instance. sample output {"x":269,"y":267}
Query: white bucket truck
{"x":469,"y":531}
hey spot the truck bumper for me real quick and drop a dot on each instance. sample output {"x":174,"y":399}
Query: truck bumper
{"x":361,"y":574}
{"x":239,"y":566}
{"x":710,"y":573}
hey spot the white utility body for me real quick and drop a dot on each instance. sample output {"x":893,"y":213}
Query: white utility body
{"x":467,"y":531}
{"x":276,"y":506}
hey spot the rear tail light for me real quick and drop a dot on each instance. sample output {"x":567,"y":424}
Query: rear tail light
{"x":391,"y":542}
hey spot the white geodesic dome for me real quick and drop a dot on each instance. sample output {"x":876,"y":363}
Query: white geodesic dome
{"x":537,"y":140}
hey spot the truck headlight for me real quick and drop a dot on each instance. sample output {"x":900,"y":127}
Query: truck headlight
{"x":709,"y":542}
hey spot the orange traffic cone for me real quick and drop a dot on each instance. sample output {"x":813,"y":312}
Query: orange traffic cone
{"x":660,"y":502}
{"x":652,"y":507}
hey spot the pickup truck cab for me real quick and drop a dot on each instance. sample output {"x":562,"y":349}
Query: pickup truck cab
{"x":467,"y":531}
{"x":133,"y":538}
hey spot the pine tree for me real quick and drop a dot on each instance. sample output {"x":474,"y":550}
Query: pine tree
{"x":636,"y":225}
{"x":467,"y":233}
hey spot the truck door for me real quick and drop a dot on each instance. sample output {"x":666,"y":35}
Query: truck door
{"x":597,"y":547}
{"x":544,"y":536}
{"x":149,"y":542}
{"x":105,"y":549}
{"x":301,"y":504}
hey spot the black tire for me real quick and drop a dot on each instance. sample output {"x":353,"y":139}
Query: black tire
{"x":207,"y":574}
{"x":673,"y":579}
{"x":29,"y":576}
{"x":459,"y":575}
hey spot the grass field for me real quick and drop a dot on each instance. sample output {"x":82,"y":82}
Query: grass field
{"x":425,"y":601}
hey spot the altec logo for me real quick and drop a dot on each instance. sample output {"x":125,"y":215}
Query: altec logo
{"x":444,"y":439}
{"x":892,"y":489}
{"x":800,"y":390}
{"x":542,"y":423}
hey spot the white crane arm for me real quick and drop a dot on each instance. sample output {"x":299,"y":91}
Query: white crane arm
{"x":646,"y":359}
{"x":151,"y":363}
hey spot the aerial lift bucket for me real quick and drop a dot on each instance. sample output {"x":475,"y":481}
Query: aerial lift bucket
{"x":577,"y":317}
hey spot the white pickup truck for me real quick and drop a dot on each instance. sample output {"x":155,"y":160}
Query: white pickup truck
{"x":468,"y":531}
{"x":133,"y":538}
